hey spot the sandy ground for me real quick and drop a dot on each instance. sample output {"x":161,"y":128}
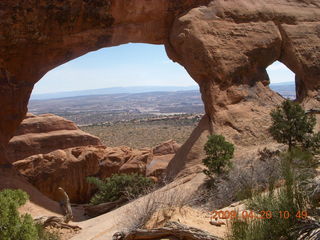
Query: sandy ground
{"x":104,"y":226}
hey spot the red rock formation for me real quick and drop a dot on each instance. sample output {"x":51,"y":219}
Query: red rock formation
{"x":168,"y":147}
{"x":46,"y":133}
{"x":162,"y":155}
{"x":69,"y":168}
{"x":158,"y":166}
{"x":224,"y":45}
{"x":55,"y":153}
{"x":41,"y":205}
{"x":138,"y":162}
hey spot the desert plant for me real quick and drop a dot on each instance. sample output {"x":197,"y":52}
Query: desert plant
{"x":245,"y":192}
{"x":119,"y":186}
{"x":141,"y":213}
{"x":219,"y":152}
{"x":312,"y":143}
{"x":14,"y":226}
{"x":160,"y":203}
{"x":265,"y":229}
{"x":290,"y":124}
{"x":292,"y":198}
{"x":249,"y":176}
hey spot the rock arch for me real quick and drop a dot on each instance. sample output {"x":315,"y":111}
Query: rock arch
{"x":224,"y":45}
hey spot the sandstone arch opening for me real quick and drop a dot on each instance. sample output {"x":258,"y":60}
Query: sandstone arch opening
{"x":282,"y":80}
{"x":151,"y":101}
{"x":124,"y":83}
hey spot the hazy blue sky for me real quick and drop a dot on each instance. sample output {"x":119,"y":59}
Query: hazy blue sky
{"x":128,"y":65}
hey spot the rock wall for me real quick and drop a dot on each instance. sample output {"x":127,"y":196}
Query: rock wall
{"x":69,"y":168}
{"x":224,"y":45}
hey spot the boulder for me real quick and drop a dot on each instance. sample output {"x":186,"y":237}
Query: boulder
{"x":168,"y":147}
{"x":69,"y":168}
{"x":138,"y":162}
{"x":162,"y":155}
{"x":46,"y":133}
{"x":158,"y":166}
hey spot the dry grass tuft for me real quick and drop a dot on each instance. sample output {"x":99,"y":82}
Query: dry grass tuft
{"x":161,"y":201}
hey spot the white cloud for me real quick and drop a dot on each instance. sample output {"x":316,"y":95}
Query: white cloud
{"x":276,"y":66}
{"x":278,"y":73}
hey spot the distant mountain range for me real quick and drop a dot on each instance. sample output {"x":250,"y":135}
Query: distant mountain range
{"x":95,"y":109}
{"x":113,"y":90}
{"x":114,"y":104}
{"x":286,"y":89}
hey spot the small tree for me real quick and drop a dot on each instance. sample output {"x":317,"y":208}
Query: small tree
{"x":219,"y":152}
{"x":290,"y":124}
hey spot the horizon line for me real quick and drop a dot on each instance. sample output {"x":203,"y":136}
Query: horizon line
{"x":137,"y":86}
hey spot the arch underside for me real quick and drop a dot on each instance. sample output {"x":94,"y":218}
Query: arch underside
{"x":224,"y":45}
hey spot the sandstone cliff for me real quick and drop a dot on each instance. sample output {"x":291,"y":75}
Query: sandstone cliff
{"x":224,"y":45}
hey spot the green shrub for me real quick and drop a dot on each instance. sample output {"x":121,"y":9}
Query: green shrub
{"x":245,"y":192}
{"x":265,"y":229}
{"x":290,"y":124}
{"x":14,"y":226}
{"x":292,"y":197}
{"x":219,"y":152}
{"x":119,"y":186}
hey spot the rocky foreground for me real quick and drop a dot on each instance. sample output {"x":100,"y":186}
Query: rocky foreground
{"x":37,"y":154}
